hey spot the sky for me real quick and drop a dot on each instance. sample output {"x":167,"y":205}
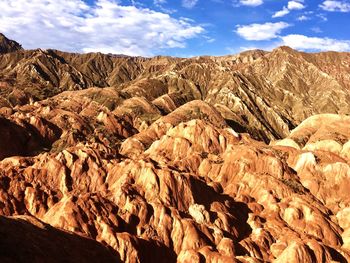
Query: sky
{"x":182,"y":28}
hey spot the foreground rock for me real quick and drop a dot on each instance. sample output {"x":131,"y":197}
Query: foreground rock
{"x":190,"y":190}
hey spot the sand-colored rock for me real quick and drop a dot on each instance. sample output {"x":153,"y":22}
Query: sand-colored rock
{"x":114,"y":158}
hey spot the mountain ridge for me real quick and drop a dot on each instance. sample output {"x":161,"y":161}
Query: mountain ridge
{"x":71,"y":71}
{"x":7,"y":45}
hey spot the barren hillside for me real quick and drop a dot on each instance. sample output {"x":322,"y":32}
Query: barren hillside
{"x":242,"y":158}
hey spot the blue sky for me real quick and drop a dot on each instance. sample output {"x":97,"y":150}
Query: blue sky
{"x":177,"y":27}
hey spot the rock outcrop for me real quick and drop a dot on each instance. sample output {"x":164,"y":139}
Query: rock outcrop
{"x":7,"y":45}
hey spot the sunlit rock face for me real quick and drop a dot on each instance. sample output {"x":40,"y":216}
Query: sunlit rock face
{"x":209,"y":159}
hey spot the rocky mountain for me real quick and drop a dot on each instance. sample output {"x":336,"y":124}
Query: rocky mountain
{"x":242,"y":158}
{"x":263,"y":93}
{"x":7,"y":45}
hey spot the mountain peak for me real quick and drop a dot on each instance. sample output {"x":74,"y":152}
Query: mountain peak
{"x":8,"y":45}
{"x":285,"y":49}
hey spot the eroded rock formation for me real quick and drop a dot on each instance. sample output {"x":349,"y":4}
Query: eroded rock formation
{"x":224,"y":159}
{"x":8,"y":45}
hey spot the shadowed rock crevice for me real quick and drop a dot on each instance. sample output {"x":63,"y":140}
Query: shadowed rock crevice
{"x":26,"y":139}
{"x":205,"y":195}
{"x":25,"y":239}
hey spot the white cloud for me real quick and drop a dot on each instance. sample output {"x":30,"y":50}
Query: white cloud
{"x":209,"y":39}
{"x":257,"y":32}
{"x":108,"y":27}
{"x":159,"y":2}
{"x":251,"y":2}
{"x":302,"y":42}
{"x":322,"y":17}
{"x":316,"y":29}
{"x":295,"y":5}
{"x":189,"y":3}
{"x":303,"y":18}
{"x":335,"y":6}
{"x":282,"y":12}
{"x":247,"y":48}
{"x":262,"y":46}
{"x":292,"y":5}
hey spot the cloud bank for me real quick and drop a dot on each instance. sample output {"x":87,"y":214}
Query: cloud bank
{"x":107,"y":26}
{"x":258,"y":32}
{"x":272,"y":31}
{"x":189,"y":3}
{"x":336,"y":6}
{"x":302,"y":42}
